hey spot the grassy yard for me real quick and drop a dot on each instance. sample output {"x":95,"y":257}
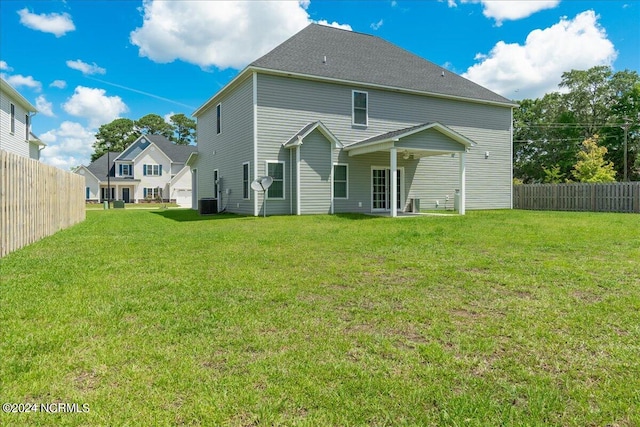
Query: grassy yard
{"x":167,"y":318}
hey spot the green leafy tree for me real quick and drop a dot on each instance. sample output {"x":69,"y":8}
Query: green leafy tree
{"x":117,"y":135}
{"x":184,"y":129}
{"x":591,"y":165}
{"x":553,"y":175}
{"x":153,"y":124}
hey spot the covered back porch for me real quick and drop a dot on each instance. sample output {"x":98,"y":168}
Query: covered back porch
{"x":424,"y":140}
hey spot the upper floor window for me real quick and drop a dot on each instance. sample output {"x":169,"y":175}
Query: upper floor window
{"x":219,"y":118}
{"x":276,"y":171}
{"x":125,"y":170}
{"x":360,"y":104}
{"x":13,"y":118}
{"x":152,"y":170}
{"x":27,"y":121}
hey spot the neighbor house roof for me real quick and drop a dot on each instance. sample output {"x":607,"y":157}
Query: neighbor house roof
{"x":99,"y":166}
{"x":177,"y":153}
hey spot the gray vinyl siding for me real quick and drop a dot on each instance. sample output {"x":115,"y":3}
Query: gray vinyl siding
{"x":315,"y":174}
{"x":15,"y":142}
{"x":228,"y":150}
{"x":435,"y":139}
{"x":286,"y":105}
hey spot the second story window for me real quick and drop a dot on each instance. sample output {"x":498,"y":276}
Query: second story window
{"x":152,"y":170}
{"x":125,"y":170}
{"x":360,"y":104}
{"x":27,"y":121}
{"x":219,"y":118}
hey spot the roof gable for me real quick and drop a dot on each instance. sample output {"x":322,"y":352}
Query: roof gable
{"x":332,"y":53}
{"x":296,"y":139}
{"x":16,"y":96}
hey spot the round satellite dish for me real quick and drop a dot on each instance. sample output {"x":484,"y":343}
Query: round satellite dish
{"x":256,"y":185}
{"x":266,"y":182}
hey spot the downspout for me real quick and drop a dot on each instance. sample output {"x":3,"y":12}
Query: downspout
{"x":290,"y":183}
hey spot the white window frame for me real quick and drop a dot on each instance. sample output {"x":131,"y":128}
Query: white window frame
{"x":246,"y":186}
{"x":346,"y":181}
{"x":155,"y":192}
{"x":219,"y":118}
{"x":353,"y":108}
{"x":154,"y":169}
{"x":284,"y":172}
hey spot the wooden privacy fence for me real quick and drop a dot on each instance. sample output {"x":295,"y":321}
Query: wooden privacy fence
{"x":36,"y":200}
{"x":612,"y":197}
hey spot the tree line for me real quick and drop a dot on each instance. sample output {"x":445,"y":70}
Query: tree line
{"x":120,"y":133}
{"x":578,"y":133}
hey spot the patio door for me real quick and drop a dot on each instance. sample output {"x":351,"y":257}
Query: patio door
{"x":381,"y":189}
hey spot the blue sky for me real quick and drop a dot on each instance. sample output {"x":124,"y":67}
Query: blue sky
{"x":85,"y":63}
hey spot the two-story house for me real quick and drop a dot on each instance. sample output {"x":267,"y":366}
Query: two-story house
{"x":151,"y":168}
{"x":347,"y":122}
{"x":15,"y":123}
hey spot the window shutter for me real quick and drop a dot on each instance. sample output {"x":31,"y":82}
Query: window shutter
{"x":160,"y":172}
{"x":144,"y":170}
{"x":144,"y":193}
{"x":120,"y":165}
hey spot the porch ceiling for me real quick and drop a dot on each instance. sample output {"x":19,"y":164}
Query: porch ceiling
{"x":450,"y":142}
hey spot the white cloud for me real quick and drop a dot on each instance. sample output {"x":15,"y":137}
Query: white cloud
{"x":93,"y":105}
{"x":535,"y":68}
{"x":509,"y":10}
{"x":60,"y":84}
{"x":19,"y":80}
{"x":221,"y":34}
{"x":69,"y":145}
{"x":44,"y":107}
{"x":5,"y":67}
{"x":54,"y":23}
{"x":334,"y":24}
{"x":85,"y":68}
{"x":376,"y":25}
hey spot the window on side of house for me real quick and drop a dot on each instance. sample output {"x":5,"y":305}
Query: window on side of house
{"x":152,"y":170}
{"x":360,"y":103}
{"x":246,"y":181}
{"x":13,"y":119}
{"x":215,"y":183}
{"x":219,"y":118}
{"x":276,"y":171}
{"x":27,"y":122}
{"x":340,"y":181}
{"x":87,"y":193}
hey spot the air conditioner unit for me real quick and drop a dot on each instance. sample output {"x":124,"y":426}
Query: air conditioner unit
{"x":208,"y":206}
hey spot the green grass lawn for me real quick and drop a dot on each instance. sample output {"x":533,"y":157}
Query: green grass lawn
{"x":166,"y":318}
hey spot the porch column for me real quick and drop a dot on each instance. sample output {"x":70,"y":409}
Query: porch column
{"x":461,"y":207}
{"x":394,"y":181}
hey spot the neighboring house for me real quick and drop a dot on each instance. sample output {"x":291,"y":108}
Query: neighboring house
{"x":338,"y":119}
{"x":151,"y":168}
{"x":15,"y":123}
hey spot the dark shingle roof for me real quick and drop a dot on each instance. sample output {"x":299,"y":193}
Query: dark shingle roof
{"x":99,"y":166}
{"x":177,"y":153}
{"x":358,"y":57}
